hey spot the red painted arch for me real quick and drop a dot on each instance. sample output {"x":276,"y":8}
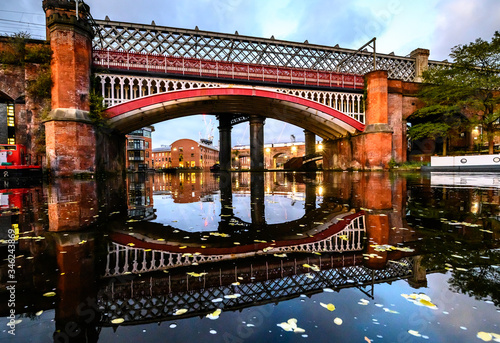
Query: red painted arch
{"x":117,"y":110}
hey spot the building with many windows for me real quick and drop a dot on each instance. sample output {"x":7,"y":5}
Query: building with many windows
{"x":162,"y":158}
{"x":187,"y":154}
{"x":139,"y":149}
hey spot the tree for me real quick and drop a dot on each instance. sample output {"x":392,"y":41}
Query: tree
{"x":469,"y":87}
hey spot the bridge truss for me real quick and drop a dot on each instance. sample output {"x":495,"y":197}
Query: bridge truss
{"x":157,"y":299}
{"x":137,"y":39}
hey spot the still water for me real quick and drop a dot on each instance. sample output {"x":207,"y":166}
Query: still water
{"x":261,"y":257}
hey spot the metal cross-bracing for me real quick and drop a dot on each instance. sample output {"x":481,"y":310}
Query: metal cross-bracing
{"x":127,"y":61}
{"x":235,"y":48}
{"x":117,"y":89}
{"x":154,"y":299}
{"x":125,"y":259}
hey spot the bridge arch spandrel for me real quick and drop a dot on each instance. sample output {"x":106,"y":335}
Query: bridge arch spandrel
{"x":323,"y":120}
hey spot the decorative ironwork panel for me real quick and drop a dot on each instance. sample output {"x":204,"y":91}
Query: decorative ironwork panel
{"x":123,"y":259}
{"x":117,"y":89}
{"x":212,"y":46}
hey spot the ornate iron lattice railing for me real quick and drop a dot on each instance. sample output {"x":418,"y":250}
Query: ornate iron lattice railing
{"x":125,"y":61}
{"x":157,"y":299}
{"x":117,"y":89}
{"x":212,"y":46}
{"x":124,"y":259}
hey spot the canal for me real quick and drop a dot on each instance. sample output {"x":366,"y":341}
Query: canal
{"x":252,"y":257}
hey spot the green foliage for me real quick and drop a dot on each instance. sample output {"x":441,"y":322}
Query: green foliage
{"x":466,"y":88}
{"x":40,"y":87}
{"x":97,"y":110}
{"x":18,"y":51}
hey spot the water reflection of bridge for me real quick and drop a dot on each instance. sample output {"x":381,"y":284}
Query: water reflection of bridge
{"x":343,"y":233}
{"x":155,"y":299}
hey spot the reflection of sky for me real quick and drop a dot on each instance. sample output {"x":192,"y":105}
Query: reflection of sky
{"x":205,"y":216}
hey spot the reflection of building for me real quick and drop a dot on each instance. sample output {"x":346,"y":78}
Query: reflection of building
{"x":140,"y":197}
{"x":275,"y":155}
{"x":186,"y":187}
{"x":139,"y":154}
{"x":162,"y":157}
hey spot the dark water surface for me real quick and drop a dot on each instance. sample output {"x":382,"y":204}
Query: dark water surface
{"x":261,"y":257}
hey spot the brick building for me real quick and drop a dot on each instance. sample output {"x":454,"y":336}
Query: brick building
{"x":139,"y":149}
{"x":162,"y":158}
{"x":186,"y":153}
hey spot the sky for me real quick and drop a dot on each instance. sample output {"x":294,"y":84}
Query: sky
{"x":400,"y":26}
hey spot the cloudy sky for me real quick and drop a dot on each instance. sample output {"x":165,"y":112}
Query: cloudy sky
{"x":399,"y":25}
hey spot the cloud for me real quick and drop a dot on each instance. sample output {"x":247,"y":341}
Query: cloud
{"x":461,"y":22}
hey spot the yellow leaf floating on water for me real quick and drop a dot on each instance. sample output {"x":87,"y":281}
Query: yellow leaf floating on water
{"x":414,"y":333}
{"x":363,"y":302}
{"x":313,"y":267}
{"x":235,"y":283}
{"x":232,"y":296}
{"x":196,"y":274}
{"x":420,"y":299}
{"x":488,"y":336}
{"x":329,"y":307}
{"x":428,"y":303}
{"x":131,"y":244}
{"x":337,"y":321}
{"x":291,"y":325}
{"x":49,"y":294}
{"x":117,"y":321}
{"x":280,"y":255}
{"x":179,"y":312}
{"x":214,"y":315}
{"x":39,"y":313}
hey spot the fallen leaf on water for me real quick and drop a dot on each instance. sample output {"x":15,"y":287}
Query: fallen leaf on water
{"x":488,"y":336}
{"x":414,"y":333}
{"x":329,"y":307}
{"x":39,"y":313}
{"x":49,"y":294}
{"x":232,"y":296}
{"x":280,"y":255}
{"x":179,"y":312}
{"x":337,"y":321}
{"x":214,"y":315}
{"x":368,"y":340}
{"x":117,"y":321}
{"x":291,"y":325}
{"x":196,"y":274}
{"x":363,"y":302}
{"x":428,"y":303}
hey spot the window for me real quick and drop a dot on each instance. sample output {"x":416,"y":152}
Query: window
{"x":192,"y":155}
